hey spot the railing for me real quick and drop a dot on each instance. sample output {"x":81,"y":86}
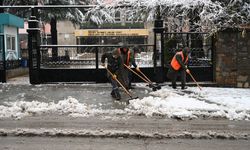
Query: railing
{"x":87,"y":56}
{"x":12,"y":64}
{"x":196,"y":57}
{"x":199,"y":43}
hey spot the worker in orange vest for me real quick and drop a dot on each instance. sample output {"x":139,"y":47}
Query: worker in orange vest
{"x":179,"y":66}
{"x":128,"y":58}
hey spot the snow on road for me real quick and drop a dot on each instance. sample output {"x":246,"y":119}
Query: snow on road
{"x":230,"y":103}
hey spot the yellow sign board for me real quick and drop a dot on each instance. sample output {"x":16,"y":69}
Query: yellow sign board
{"x":112,"y":32}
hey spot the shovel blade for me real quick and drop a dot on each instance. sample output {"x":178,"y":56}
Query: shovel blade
{"x":154,"y":87}
{"x":158,"y":87}
{"x":128,"y":101}
{"x":131,"y":98}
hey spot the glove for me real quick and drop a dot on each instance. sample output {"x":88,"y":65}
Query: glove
{"x":114,"y":77}
{"x":137,"y":69}
{"x":188,"y":71}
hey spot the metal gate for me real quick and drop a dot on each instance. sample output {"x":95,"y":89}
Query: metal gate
{"x":74,"y":63}
{"x":45,"y":66}
{"x":201,"y":56}
{"x":2,"y":60}
{"x":82,"y":63}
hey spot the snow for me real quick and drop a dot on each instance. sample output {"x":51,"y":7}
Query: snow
{"x":70,"y":106}
{"x":210,"y":102}
{"x":18,"y":80}
{"x":210,"y":15}
{"x":230,"y":103}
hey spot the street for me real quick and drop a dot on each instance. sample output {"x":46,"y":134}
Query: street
{"x":66,"y":143}
{"x":62,"y":132}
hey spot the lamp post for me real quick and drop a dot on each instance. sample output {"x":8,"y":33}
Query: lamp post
{"x":158,"y":48}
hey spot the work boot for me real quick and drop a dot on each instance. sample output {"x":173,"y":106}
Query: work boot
{"x":173,"y":85}
{"x":116,"y":95}
{"x":183,"y":87}
{"x":112,"y":93}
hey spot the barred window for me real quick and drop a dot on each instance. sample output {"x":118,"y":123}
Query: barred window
{"x":11,"y":42}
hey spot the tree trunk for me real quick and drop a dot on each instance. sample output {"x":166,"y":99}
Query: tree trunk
{"x":53,"y":32}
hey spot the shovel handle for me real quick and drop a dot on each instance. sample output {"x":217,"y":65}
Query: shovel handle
{"x":119,"y":82}
{"x":146,"y":77}
{"x":136,"y":73}
{"x":194,"y":80}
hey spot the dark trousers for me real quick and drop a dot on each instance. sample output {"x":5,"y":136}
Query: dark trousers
{"x":124,"y":77}
{"x":113,"y":83}
{"x":115,"y":90}
{"x":173,"y":74}
{"x":130,"y":78}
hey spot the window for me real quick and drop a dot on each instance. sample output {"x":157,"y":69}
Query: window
{"x":11,"y":53}
{"x":11,"y":43}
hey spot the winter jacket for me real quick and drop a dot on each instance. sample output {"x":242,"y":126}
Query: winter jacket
{"x":114,"y":64}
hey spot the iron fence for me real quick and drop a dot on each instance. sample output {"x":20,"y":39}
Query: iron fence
{"x":88,"y":56}
{"x":12,"y":64}
{"x":200,"y":45}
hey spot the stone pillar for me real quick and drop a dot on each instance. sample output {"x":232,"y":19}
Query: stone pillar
{"x":34,"y":50}
{"x":243,"y":59}
{"x":232,"y":58}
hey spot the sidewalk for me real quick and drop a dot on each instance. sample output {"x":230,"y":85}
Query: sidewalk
{"x":18,"y":99}
{"x":25,"y":80}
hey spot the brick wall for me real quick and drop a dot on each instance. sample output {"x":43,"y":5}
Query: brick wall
{"x":232,"y":58}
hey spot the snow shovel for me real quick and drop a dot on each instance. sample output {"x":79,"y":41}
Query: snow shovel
{"x":151,"y":85}
{"x":126,"y":91}
{"x":194,"y":80}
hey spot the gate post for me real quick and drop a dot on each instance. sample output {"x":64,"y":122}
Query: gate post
{"x":2,"y":60}
{"x":2,"y":54}
{"x":34,"y":48}
{"x":158,"y":48}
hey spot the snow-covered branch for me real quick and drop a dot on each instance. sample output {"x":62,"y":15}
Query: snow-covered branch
{"x":203,"y":15}
{"x":197,"y":15}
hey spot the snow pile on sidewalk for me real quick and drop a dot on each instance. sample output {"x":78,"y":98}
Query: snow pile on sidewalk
{"x":230,"y":103}
{"x":233,"y":104}
{"x":69,"y":106}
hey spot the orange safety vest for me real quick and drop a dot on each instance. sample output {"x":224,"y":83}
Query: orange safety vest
{"x":128,"y":57}
{"x":174,"y":62}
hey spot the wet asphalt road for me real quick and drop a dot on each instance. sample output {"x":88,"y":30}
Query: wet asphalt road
{"x":63,"y":133}
{"x":66,"y":143}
